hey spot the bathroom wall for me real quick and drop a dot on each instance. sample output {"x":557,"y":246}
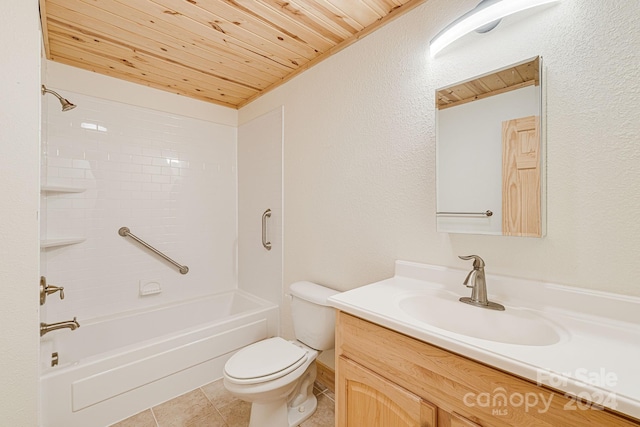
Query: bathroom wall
{"x":359,"y":150}
{"x":19,"y":173}
{"x":170,"y":178}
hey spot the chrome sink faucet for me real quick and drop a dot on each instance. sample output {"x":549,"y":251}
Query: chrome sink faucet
{"x":477,"y":282}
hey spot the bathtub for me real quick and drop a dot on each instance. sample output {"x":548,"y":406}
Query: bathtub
{"x":112,"y":368}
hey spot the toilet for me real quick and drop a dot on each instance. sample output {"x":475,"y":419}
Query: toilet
{"x":277,"y":375}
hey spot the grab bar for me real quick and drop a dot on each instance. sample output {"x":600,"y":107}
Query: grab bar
{"x":265,"y":243}
{"x":487,"y":213}
{"x":124,"y":232}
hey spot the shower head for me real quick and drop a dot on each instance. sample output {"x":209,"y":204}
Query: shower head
{"x":66,"y":105}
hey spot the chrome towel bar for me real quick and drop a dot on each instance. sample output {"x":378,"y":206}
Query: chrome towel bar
{"x":487,"y":213}
{"x":124,"y":232}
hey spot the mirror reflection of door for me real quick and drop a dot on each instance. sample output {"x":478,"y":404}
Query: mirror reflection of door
{"x":521,"y":177}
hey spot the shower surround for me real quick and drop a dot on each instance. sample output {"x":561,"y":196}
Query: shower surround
{"x":171,"y":179}
{"x":147,"y":332}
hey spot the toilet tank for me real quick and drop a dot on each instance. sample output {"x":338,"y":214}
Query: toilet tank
{"x":314,"y":321}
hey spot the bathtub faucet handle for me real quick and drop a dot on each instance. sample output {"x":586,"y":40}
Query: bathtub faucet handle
{"x":53,"y":289}
{"x":48,"y":290}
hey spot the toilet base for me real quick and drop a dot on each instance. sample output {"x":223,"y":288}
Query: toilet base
{"x":275,"y":414}
{"x":299,"y":414}
{"x":303,"y":403}
{"x":291,"y":411}
{"x":268,"y":414}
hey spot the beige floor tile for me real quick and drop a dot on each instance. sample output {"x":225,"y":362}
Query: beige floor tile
{"x":319,"y":388}
{"x":192,"y":409}
{"x":143,"y":419}
{"x":217,"y":394}
{"x":206,"y":420}
{"x":236,"y":413}
{"x":331,"y":395}
{"x":213,"y":406}
{"x":324,"y":416}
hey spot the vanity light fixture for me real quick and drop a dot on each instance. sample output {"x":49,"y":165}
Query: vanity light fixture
{"x":483,"y":18}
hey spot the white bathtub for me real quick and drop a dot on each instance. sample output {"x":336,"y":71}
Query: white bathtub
{"x":112,"y":368}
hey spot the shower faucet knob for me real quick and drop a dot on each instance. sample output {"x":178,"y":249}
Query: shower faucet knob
{"x":48,"y":290}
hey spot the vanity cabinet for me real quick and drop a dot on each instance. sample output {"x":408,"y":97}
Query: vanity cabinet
{"x":369,"y":399}
{"x":385,"y":378}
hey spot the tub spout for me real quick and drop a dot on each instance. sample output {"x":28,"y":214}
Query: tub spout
{"x":48,"y":327}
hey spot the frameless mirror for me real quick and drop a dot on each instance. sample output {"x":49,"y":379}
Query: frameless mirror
{"x":490,"y":153}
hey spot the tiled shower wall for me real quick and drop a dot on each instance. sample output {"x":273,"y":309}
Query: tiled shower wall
{"x":170,"y":179}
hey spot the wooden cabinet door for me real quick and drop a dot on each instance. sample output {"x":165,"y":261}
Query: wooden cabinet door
{"x":366,"y":399}
{"x":460,"y":421}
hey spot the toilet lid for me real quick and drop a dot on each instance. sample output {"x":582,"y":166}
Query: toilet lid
{"x":264,"y":361}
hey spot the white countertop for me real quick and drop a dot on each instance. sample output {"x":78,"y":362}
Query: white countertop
{"x":596,"y":358}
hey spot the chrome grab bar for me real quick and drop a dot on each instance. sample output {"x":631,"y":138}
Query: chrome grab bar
{"x":265,"y":243}
{"x":487,"y":213}
{"x":124,"y":232}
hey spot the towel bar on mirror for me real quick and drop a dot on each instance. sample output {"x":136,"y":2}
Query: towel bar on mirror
{"x":486,"y":213}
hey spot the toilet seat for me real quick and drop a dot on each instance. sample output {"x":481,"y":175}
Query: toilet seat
{"x":264,"y":361}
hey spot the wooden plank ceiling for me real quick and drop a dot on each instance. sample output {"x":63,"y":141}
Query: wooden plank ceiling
{"x":495,"y":83}
{"x":227,"y":52}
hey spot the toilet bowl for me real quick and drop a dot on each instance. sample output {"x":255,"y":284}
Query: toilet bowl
{"x":275,"y":375}
{"x":280,"y":391}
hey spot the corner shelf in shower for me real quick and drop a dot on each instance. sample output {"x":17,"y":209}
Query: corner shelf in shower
{"x":61,"y":189}
{"x":52,"y":243}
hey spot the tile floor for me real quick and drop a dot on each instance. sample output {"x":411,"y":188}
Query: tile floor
{"x":212,"y":406}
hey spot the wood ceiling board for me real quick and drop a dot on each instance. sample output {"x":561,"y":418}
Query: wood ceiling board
{"x":140,"y":73}
{"x":530,"y":71}
{"x":96,"y":43}
{"x":356,"y":10}
{"x":330,"y":16}
{"x":493,"y":82}
{"x":241,"y":28}
{"x":501,"y":81}
{"x":463,"y":91}
{"x":126,"y":31}
{"x":510,"y":77}
{"x":230,"y":34}
{"x":379,"y":6}
{"x":148,"y":13}
{"x":149,"y":65}
{"x":477,"y":87}
{"x":252,"y":22}
{"x":288,"y":14}
{"x":121,"y":75}
{"x":223,"y":51}
{"x":181,"y":89}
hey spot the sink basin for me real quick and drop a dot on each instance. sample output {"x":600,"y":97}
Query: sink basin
{"x":512,"y":326}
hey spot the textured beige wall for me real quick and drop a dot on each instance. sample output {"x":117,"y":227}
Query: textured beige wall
{"x":20,"y":190}
{"x":359,"y":149}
